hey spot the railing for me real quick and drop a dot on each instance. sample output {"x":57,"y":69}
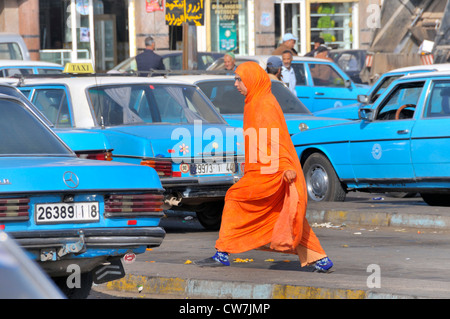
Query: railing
{"x":62,"y":56}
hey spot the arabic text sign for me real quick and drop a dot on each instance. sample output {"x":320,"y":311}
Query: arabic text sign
{"x":184,"y":11}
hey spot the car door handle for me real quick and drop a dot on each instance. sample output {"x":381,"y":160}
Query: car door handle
{"x":319,"y":93}
{"x":402,"y":131}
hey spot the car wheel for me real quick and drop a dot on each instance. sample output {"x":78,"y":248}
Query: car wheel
{"x":436,"y":199}
{"x":322,"y":182}
{"x":210,"y":214}
{"x":75,"y":293}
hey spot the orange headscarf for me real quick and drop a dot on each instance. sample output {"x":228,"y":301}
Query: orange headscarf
{"x":262,"y":208}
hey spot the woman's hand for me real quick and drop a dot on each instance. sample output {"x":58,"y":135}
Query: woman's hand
{"x":289,"y":176}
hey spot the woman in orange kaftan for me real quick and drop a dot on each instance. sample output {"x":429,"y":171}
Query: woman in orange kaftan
{"x":266,"y":208}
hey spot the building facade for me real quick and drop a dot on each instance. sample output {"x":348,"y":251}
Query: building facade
{"x":106,"y":32}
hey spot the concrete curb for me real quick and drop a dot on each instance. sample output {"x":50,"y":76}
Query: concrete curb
{"x":214,"y":289}
{"x":381,"y":219}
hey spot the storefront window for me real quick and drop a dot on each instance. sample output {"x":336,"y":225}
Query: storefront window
{"x":229,"y":26}
{"x":333,"y":22}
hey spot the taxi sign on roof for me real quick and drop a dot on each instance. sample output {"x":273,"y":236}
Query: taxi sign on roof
{"x":78,"y":68}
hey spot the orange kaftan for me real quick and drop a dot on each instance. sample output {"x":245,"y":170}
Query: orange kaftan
{"x":262,"y":208}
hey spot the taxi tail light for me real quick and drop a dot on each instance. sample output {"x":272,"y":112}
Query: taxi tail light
{"x":163,"y":168}
{"x":99,"y":156}
{"x":14,"y":209}
{"x":138,"y":205}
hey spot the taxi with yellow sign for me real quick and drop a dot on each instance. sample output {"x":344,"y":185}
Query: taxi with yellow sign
{"x":166,"y":124}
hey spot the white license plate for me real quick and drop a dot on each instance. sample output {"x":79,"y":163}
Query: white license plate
{"x":67,"y":212}
{"x":213,"y":168}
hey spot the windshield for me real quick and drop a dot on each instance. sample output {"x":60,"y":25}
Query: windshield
{"x":227,"y":99}
{"x":144,"y":103}
{"x":23,"y":134}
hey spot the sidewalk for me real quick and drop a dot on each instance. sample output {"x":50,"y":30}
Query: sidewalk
{"x":162,"y":272}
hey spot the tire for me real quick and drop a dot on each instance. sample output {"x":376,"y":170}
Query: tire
{"x":436,"y":199}
{"x":75,"y":293}
{"x":210,"y":214}
{"x":322,"y":183}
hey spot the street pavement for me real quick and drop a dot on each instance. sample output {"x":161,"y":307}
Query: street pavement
{"x":382,"y":247}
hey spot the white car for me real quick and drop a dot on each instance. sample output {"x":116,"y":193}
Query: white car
{"x":162,"y":123}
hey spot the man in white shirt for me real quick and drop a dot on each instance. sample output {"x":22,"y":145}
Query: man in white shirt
{"x":287,"y":71}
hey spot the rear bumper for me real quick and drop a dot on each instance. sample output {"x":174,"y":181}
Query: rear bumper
{"x":107,"y":238}
{"x":198,"y":188}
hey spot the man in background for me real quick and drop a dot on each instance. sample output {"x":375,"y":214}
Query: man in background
{"x":149,"y":60}
{"x":288,"y":44}
{"x":287,"y":71}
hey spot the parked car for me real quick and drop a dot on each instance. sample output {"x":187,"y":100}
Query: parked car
{"x":230,"y":102}
{"x":351,"y":61}
{"x":73,"y":216}
{"x":398,"y":145}
{"x":20,"y":276}
{"x":162,"y":123}
{"x":173,"y":60}
{"x":86,"y":144}
{"x":10,"y":68}
{"x":351,"y":111}
{"x":316,"y":94}
{"x":13,"y":47}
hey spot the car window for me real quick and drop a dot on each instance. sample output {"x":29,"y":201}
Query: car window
{"x":48,"y":71}
{"x":173,"y":62}
{"x":10,"y":51}
{"x":7,"y":72}
{"x":401,"y":103}
{"x":136,"y":103}
{"x":23,"y":134}
{"x":53,"y":104}
{"x":300,"y":75}
{"x":225,"y":97}
{"x":289,"y":102}
{"x":325,"y":75}
{"x":382,"y":86}
{"x":349,"y":62}
{"x":438,"y":104}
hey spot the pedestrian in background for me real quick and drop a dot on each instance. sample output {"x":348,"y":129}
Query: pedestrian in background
{"x":318,"y":41}
{"x":149,"y":60}
{"x":287,"y":71}
{"x":229,"y":60}
{"x":288,"y":44}
{"x":273,"y":68}
{"x":266,"y":208}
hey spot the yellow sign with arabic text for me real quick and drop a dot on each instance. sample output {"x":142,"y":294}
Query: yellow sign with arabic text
{"x":185,"y":11}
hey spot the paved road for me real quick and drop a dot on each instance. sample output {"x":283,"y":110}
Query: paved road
{"x":373,"y":259}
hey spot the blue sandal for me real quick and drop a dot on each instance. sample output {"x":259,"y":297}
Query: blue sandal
{"x":323,"y":265}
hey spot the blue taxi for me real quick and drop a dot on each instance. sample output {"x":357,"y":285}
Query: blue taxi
{"x":86,"y":144}
{"x":76,"y":218}
{"x":321,"y":84}
{"x":399,"y":144}
{"x":165,"y":124}
{"x":351,"y":111}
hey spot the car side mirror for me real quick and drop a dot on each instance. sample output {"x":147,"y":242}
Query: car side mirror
{"x":365,"y":114}
{"x":363,"y":99}
{"x":348,"y":84}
